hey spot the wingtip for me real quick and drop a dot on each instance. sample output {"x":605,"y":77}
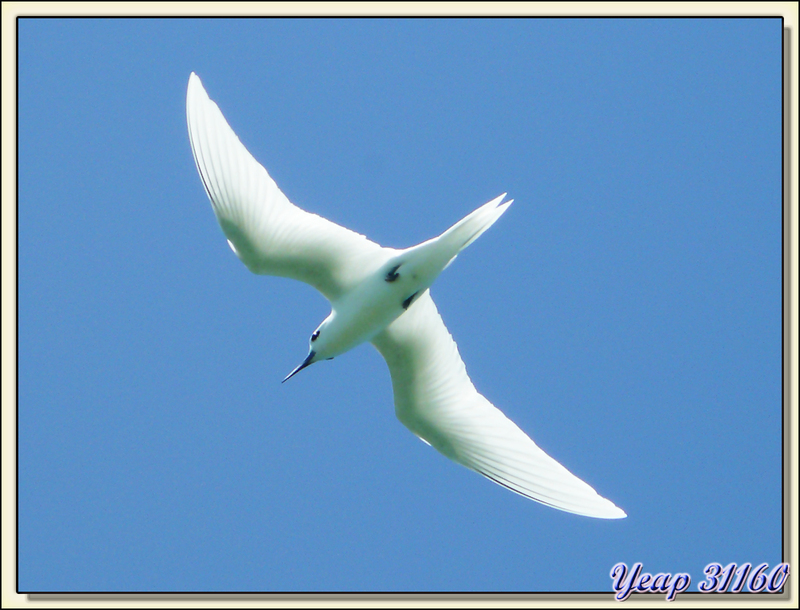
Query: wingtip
{"x":596,"y":512}
{"x":613,"y":512}
{"x":196,"y":94}
{"x":194,"y":83}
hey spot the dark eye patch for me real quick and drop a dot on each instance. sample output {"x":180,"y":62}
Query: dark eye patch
{"x":314,"y":336}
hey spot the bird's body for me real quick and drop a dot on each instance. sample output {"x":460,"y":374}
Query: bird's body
{"x":379,"y":295}
{"x":379,"y":299}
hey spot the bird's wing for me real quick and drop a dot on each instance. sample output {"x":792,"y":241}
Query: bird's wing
{"x":436,"y":400}
{"x":265,"y":230}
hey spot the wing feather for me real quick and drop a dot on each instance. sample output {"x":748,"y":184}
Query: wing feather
{"x":435,"y":398}
{"x":266,"y":231}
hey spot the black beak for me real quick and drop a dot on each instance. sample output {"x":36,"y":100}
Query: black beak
{"x":306,"y":362}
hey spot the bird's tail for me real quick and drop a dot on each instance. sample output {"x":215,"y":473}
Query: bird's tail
{"x":471,"y":227}
{"x":427,"y":260}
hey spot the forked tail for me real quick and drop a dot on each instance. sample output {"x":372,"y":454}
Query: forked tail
{"x":427,"y":260}
{"x":471,"y":227}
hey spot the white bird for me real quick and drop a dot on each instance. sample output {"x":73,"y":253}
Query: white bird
{"x":379,"y":295}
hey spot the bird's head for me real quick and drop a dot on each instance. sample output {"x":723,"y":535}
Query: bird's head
{"x":318,"y":348}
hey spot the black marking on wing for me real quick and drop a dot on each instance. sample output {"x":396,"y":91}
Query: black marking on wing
{"x":393,"y":275}
{"x":409,"y":300}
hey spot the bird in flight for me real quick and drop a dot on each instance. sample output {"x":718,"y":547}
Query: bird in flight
{"x":380,"y":295}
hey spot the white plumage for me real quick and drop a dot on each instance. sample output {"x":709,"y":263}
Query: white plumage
{"x":380,"y":295}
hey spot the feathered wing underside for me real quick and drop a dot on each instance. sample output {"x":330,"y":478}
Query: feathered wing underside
{"x":266,"y":231}
{"x":436,"y":400}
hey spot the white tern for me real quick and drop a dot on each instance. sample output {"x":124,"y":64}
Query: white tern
{"x":380,"y":295}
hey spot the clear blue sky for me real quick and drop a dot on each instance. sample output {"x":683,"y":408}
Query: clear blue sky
{"x":625,"y":312}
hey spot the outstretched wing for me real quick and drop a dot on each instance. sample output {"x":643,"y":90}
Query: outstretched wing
{"x":265,"y":230}
{"x":436,"y":400}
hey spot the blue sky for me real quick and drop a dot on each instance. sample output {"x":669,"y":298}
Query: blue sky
{"x":625,"y":311}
